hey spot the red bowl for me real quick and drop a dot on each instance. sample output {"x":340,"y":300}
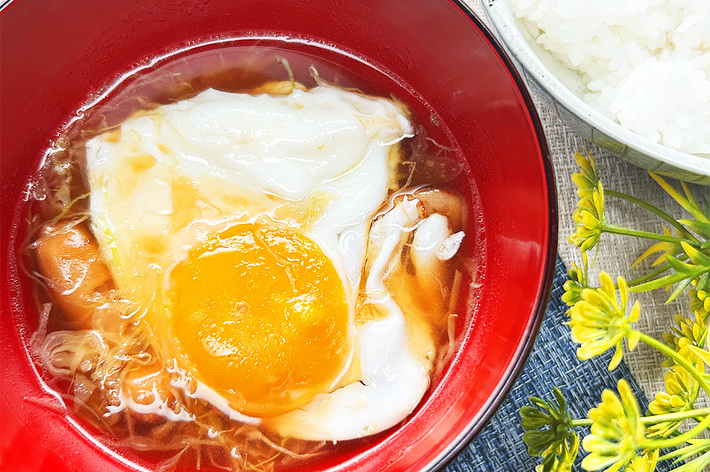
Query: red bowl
{"x":58,"y":55}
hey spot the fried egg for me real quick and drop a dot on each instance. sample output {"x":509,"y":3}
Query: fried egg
{"x":241,"y":225}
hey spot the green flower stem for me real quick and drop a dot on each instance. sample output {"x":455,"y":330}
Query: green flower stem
{"x":680,"y":360}
{"x":580,"y":423}
{"x":613,"y":229}
{"x":683,"y":362}
{"x":688,"y":205}
{"x":649,"y":276}
{"x":698,"y":414}
{"x":676,"y":440}
{"x":698,"y":446}
{"x":653,"y":209}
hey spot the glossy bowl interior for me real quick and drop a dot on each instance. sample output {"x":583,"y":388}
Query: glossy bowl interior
{"x":59,"y":55}
{"x":562,"y":89}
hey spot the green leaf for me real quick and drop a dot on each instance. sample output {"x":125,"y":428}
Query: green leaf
{"x":548,"y":463}
{"x":694,"y":447}
{"x":696,"y":465}
{"x":538,"y":441}
{"x":560,"y":400}
{"x":692,"y":202}
{"x":660,"y":282}
{"x":543,"y":405}
{"x":532,"y":418}
{"x":680,"y":288}
{"x":700,"y":227}
{"x":702,"y":282}
{"x":681,"y":272}
{"x":701,"y":353}
{"x":689,"y":205}
{"x":696,"y":257}
{"x":679,"y":266}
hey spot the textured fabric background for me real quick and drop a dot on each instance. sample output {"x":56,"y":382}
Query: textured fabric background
{"x":617,"y":253}
{"x":553,"y":362}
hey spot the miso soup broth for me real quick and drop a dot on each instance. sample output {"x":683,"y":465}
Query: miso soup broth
{"x":249,"y":254}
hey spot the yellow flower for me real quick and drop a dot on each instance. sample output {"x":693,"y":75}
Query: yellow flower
{"x":589,"y":220}
{"x":589,"y":215}
{"x":556,"y":466}
{"x":687,"y":335}
{"x":680,"y":395}
{"x":587,"y":178}
{"x":700,"y":301}
{"x":616,"y":432}
{"x":645,"y":463}
{"x":577,"y":283}
{"x":573,"y":292}
{"x":600,"y":321}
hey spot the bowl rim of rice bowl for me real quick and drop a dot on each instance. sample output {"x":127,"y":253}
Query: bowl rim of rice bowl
{"x":540,"y":70}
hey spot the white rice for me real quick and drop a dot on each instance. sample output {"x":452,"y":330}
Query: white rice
{"x":645,"y":63}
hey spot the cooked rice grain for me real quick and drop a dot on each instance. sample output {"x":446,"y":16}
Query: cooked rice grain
{"x":645,"y":63}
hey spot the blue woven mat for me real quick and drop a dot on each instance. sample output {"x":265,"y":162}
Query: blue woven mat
{"x":552,"y":362}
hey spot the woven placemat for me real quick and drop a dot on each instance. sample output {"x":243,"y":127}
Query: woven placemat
{"x":617,"y":253}
{"x":552,"y":363}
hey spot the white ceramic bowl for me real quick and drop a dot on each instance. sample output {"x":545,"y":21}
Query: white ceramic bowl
{"x":561,"y":89}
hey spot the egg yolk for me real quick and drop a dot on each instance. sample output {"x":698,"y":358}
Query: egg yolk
{"x":259,"y":314}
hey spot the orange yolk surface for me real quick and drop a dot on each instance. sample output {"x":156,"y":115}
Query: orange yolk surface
{"x":259,"y":314}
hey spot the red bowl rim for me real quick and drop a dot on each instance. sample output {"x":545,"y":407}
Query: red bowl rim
{"x":518,"y":362}
{"x":456,"y":445}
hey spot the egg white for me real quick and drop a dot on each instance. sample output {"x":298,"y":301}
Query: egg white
{"x":316,"y":160}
